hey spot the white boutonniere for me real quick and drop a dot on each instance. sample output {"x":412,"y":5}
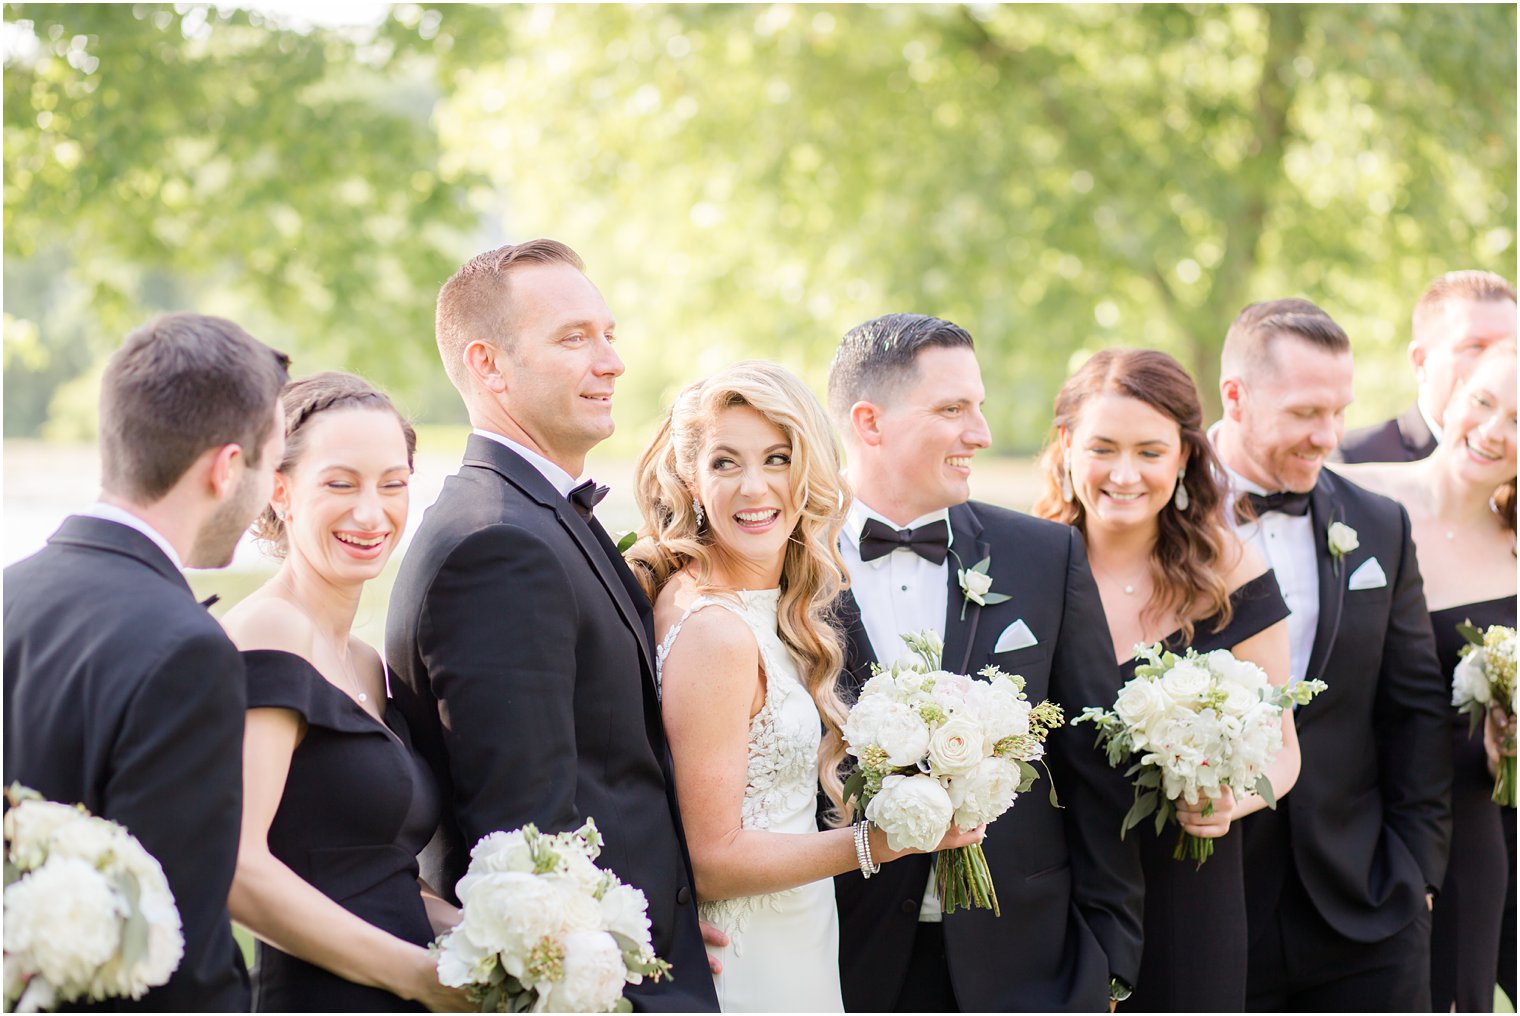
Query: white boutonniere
{"x":976,"y":585}
{"x":1342,"y":540}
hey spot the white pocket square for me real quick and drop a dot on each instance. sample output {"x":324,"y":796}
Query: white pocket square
{"x":1016,"y":636}
{"x":1368,"y":576}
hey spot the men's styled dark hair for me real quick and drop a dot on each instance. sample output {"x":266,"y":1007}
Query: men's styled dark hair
{"x":475,"y":303}
{"x":1248,"y":344}
{"x":179,"y":385}
{"x":876,"y":360}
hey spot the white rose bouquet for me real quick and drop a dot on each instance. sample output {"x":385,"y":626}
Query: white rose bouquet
{"x":544,"y":929}
{"x":1485,"y":676}
{"x":1198,"y":722}
{"x":934,"y":748}
{"x":88,"y":912}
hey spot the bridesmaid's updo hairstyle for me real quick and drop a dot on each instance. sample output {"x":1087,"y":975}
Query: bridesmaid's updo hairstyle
{"x":1187,"y":565}
{"x":304,"y":400}
{"x":812,"y":572}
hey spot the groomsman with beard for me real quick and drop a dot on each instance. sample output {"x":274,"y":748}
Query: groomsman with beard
{"x":907,"y":394}
{"x":519,"y":640}
{"x":1339,"y":878}
{"x":121,"y":691}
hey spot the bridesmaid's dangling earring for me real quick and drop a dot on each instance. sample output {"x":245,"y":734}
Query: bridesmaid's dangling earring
{"x":1066,"y":491}
{"x":1182,"y":500}
{"x":696,"y":506}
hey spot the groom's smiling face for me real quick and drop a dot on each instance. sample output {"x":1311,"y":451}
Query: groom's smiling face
{"x":560,"y":365}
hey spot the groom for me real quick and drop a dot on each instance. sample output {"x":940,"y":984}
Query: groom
{"x":906,"y":392}
{"x":519,"y":641}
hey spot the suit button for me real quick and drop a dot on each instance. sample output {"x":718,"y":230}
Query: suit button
{"x":683,"y":896}
{"x":910,"y":906}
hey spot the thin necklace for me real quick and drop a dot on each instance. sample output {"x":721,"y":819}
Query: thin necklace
{"x":1128,"y":587}
{"x":346,"y":665}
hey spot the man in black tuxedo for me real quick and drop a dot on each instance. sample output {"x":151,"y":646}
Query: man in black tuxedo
{"x":906,"y":392}
{"x":1339,"y":877}
{"x":1457,"y":317}
{"x":121,"y":692}
{"x":519,"y":640}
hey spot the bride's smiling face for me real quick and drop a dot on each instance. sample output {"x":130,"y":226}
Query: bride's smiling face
{"x":744,"y":482}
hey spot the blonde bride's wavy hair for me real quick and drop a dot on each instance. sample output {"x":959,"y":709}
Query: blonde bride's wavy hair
{"x":812,"y":572}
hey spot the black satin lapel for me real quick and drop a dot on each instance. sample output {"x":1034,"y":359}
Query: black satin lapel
{"x":858,"y":654}
{"x":608,"y":573}
{"x":1323,"y":510}
{"x":967,"y":548}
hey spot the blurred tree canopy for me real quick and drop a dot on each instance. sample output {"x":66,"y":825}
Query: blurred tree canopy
{"x":752,"y":180}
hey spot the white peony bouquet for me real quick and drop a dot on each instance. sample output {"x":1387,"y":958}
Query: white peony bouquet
{"x":1198,"y":722}
{"x":1485,"y":677}
{"x":544,"y":929}
{"x":88,"y":912}
{"x":934,"y":748}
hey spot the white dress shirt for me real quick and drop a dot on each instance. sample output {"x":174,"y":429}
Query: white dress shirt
{"x":897,"y":593}
{"x":111,"y":513}
{"x":1286,"y":542}
{"x":557,"y":477}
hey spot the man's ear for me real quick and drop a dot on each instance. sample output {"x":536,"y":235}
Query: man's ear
{"x":865,"y":421}
{"x":1417,"y":354}
{"x":1232,"y":393}
{"x":484,"y":362}
{"x":223,"y":466}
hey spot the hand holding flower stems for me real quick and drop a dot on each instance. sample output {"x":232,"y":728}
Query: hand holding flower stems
{"x":1483,"y":683}
{"x":1498,"y":738}
{"x":1210,"y":817}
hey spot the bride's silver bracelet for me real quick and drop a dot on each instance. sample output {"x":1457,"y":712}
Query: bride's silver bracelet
{"x":868,"y":866}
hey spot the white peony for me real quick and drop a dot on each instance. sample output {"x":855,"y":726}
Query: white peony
{"x":63,"y":921}
{"x":1141,"y":704}
{"x":625,"y":911}
{"x":1001,"y":712}
{"x":984,"y":793}
{"x":594,"y":975}
{"x":30,"y":827}
{"x":1186,"y":681}
{"x":95,"y":842}
{"x":579,"y":910}
{"x":508,"y":912}
{"x":1232,"y":671}
{"x":914,"y":811}
{"x":1469,"y":682}
{"x":951,"y":691}
{"x":902,"y":734}
{"x":956,"y":746}
{"x":502,"y":851}
{"x":461,"y":962}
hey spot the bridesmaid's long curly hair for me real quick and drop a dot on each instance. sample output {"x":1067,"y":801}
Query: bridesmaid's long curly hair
{"x":812,"y":572}
{"x":1187,"y":564}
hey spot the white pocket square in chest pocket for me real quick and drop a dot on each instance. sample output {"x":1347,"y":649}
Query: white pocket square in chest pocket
{"x":1368,"y":576}
{"x":1016,"y":636}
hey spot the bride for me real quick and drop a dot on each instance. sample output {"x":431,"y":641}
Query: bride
{"x":743,"y":504}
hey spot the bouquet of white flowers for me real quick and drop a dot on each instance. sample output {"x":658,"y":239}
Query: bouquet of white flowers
{"x":544,"y":929}
{"x":1198,"y":722}
{"x":935,"y":748}
{"x":1485,"y":676}
{"x":88,"y":912}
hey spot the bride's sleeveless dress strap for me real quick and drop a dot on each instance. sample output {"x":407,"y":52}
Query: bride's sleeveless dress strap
{"x":670,"y":637}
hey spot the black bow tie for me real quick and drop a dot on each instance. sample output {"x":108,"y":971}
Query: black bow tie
{"x":1285,"y":501}
{"x":585,"y":497}
{"x":930,"y":542}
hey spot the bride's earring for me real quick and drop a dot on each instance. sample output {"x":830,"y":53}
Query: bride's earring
{"x":696,"y":506}
{"x":1066,"y":491}
{"x":1181,"y":500}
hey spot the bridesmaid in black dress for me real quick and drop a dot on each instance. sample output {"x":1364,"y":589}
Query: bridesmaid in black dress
{"x":1461,"y":503}
{"x":336,"y":805}
{"x":1131,"y":466}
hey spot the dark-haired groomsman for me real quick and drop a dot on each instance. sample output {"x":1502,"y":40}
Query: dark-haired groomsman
{"x":906,"y":392}
{"x":121,"y":691}
{"x":1457,"y":317}
{"x":1340,"y":877}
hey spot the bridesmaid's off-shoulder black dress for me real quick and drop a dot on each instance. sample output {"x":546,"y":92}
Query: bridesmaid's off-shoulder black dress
{"x":358,"y":806}
{"x":1195,"y":918}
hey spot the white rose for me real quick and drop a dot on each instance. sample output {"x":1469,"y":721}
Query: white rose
{"x":63,"y":921}
{"x":974,"y":584}
{"x":902,"y":734}
{"x":862,"y":727}
{"x":984,"y":793}
{"x":29,"y":829}
{"x":914,"y":811}
{"x":579,"y":910}
{"x":1469,"y":682}
{"x":502,"y":851}
{"x":1234,"y":671}
{"x":1141,"y":703}
{"x":1342,"y":539}
{"x":1000,"y":710}
{"x":951,"y":691}
{"x":625,"y":911}
{"x":1186,"y":682}
{"x":1238,"y":699}
{"x":956,"y":746}
{"x":594,"y":974}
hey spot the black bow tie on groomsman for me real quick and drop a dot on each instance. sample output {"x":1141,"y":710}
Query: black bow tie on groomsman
{"x":930,"y":542}
{"x":585,"y":497}
{"x":1285,"y":501}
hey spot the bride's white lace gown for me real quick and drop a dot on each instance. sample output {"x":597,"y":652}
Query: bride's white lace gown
{"x":784,"y":951}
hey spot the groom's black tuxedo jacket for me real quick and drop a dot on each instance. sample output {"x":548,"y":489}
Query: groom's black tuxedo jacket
{"x":123,"y":694}
{"x":1069,"y":888}
{"x":520,"y":647}
{"x":1368,"y":824}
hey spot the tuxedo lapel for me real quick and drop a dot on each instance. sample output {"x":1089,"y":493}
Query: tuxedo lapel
{"x":966,"y":548}
{"x":1325,"y":508}
{"x":1414,"y":434}
{"x":859,"y":654}
{"x":115,"y":538}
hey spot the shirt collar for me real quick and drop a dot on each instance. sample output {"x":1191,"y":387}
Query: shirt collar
{"x":1435,"y":428}
{"x":111,"y":513}
{"x":855,"y":521}
{"x":557,"y":477}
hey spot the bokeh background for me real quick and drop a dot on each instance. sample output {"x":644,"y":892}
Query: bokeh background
{"x":742,"y":180}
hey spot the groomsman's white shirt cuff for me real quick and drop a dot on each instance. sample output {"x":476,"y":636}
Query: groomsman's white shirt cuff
{"x":897,"y":593}
{"x":557,"y":477}
{"x":111,"y":513}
